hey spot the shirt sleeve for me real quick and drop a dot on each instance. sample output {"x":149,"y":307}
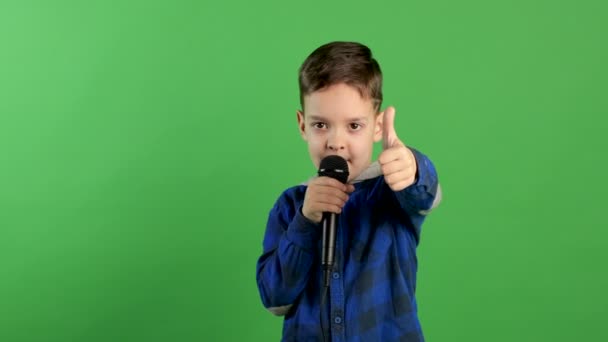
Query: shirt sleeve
{"x":424,"y":194}
{"x":290,"y":245}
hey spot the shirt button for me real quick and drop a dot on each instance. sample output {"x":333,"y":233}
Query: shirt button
{"x":338,"y":320}
{"x":336,"y":275}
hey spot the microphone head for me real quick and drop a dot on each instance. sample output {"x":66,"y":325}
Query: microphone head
{"x":334,"y":167}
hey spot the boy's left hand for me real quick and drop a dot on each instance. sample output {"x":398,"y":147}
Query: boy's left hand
{"x":396,"y":160}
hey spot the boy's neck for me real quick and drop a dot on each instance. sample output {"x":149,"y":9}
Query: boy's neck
{"x":372,"y":171}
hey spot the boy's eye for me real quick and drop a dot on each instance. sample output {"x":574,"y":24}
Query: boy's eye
{"x":319,"y":125}
{"x":355,"y":126}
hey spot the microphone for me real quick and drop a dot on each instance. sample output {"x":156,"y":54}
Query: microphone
{"x":334,"y":167}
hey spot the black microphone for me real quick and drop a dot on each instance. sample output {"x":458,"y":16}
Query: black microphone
{"x":337,"y":168}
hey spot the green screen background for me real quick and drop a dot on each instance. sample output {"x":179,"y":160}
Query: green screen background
{"x":142,"y":145}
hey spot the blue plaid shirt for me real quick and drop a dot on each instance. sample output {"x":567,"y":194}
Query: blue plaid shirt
{"x":372,"y":289}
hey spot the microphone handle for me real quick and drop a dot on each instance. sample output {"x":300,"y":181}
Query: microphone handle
{"x":328,"y":245}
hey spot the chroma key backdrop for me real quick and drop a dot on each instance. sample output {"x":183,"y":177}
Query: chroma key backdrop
{"x":143,"y":143}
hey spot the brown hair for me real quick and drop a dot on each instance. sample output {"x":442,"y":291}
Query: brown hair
{"x":342,"y":62}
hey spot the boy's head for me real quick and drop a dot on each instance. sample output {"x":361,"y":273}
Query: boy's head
{"x":341,"y":95}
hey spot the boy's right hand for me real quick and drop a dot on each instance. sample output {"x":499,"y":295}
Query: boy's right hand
{"x":325,"y":194}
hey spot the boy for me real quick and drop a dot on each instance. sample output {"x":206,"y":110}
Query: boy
{"x":382,"y":208}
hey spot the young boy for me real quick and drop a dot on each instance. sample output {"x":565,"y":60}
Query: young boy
{"x":371,"y":296}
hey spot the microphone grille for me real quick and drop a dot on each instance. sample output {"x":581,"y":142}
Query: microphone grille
{"x":335,"y":167}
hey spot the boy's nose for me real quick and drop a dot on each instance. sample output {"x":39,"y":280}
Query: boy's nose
{"x":336,"y":142}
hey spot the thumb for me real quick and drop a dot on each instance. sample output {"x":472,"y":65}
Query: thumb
{"x":389,"y":136}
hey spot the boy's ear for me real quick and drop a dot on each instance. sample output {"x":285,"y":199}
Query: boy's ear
{"x":378,"y":126}
{"x":301,"y":124}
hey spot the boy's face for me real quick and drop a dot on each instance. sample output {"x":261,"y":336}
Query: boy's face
{"x":337,"y":120}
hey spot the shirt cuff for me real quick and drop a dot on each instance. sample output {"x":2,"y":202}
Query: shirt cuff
{"x":424,"y":175}
{"x":303,"y":232}
{"x":420,"y":194}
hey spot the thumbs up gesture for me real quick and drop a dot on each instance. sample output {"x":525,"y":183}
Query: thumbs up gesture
{"x":396,"y":160}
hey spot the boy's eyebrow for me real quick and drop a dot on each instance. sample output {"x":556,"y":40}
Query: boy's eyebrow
{"x":319,"y":118}
{"x":316,"y":118}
